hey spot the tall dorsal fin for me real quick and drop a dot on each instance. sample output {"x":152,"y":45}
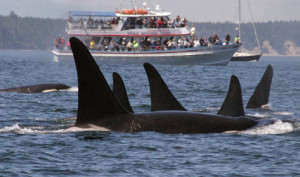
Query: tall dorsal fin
{"x":161,"y":97}
{"x":261,"y":93}
{"x":95,"y":98}
{"x":120,"y":91}
{"x":233,"y":104}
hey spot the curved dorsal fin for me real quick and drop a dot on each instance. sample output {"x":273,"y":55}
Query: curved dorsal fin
{"x":95,"y":98}
{"x":261,"y":93}
{"x":161,"y":97}
{"x":233,"y":104}
{"x":120,"y":91}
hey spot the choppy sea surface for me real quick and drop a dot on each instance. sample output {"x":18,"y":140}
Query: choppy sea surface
{"x":34,"y":142}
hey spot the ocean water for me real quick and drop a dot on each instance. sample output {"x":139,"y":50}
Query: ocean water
{"x":34,"y":140}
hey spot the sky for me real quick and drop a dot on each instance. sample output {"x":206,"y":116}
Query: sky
{"x":194,"y":10}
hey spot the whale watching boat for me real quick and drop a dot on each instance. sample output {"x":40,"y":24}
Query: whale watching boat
{"x":140,"y":35}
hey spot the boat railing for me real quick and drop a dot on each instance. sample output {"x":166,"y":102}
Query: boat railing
{"x":96,"y":27}
{"x":140,"y":49}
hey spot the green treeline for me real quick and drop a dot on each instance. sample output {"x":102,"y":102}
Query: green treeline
{"x":29,"y":33}
{"x":38,"y":34}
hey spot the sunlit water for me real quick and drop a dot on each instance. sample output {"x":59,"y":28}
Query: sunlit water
{"x":36,"y":140}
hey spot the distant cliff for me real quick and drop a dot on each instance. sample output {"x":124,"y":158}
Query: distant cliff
{"x":276,"y":38}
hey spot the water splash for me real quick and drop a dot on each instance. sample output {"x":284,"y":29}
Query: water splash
{"x":278,"y":127}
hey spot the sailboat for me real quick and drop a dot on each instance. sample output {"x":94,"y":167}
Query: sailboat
{"x":242,"y":54}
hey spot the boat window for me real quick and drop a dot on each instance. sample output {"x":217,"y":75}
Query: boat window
{"x":107,"y":39}
{"x":96,"y":39}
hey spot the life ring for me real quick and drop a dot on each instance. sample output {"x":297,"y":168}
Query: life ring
{"x":133,"y":11}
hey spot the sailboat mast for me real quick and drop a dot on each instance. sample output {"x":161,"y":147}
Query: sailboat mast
{"x":254,"y":27}
{"x":240,"y":19}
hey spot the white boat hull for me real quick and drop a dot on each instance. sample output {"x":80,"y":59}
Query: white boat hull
{"x":215,"y":55}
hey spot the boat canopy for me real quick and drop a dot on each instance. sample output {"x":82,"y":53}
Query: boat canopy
{"x":82,"y":13}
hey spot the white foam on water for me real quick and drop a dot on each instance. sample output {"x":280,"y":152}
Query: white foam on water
{"x":90,"y":128}
{"x":72,"y":89}
{"x":284,"y":113}
{"x":267,"y":106}
{"x":16,"y":128}
{"x":259,"y":115}
{"x":50,"y":90}
{"x":278,"y":127}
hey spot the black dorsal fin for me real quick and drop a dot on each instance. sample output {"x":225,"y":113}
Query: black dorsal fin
{"x":95,"y":98}
{"x":161,"y":96}
{"x":261,"y":93}
{"x":233,"y":104}
{"x":120,"y":91}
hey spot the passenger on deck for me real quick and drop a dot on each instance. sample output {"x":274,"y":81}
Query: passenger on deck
{"x":159,"y":22}
{"x":123,"y":44}
{"x":148,"y":44}
{"x":158,"y":44}
{"x":180,"y":42}
{"x":92,"y":44}
{"x":178,"y":19}
{"x":144,"y":23}
{"x":105,"y":45}
{"x":186,"y":43}
{"x":59,"y":42}
{"x":165,"y":23}
{"x":165,"y":42}
{"x":196,"y":43}
{"x":227,"y":39}
{"x":174,"y":43}
{"x":206,"y":42}
{"x":152,"y":23}
{"x":175,"y":24}
{"x":215,"y":39}
{"x":112,"y":45}
{"x":90,"y":21}
{"x":153,"y":44}
{"x":70,"y":19}
{"x":129,"y":45}
{"x":142,"y":44}
{"x":135,"y":45}
{"x":113,"y":21}
{"x":170,"y":23}
{"x":127,"y":25}
{"x":201,"y":41}
{"x":237,"y":39}
{"x":210,"y":39}
{"x":170,"y":46}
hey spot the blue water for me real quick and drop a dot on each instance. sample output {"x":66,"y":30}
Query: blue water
{"x":34,"y":141}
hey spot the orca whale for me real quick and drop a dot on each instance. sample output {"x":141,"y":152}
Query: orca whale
{"x":36,"y":88}
{"x":233,"y":103}
{"x":261,"y":93}
{"x":163,"y":99}
{"x":119,"y":90}
{"x":98,"y":106}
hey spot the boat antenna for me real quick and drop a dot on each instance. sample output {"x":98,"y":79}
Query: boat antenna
{"x":134,"y":4}
{"x":121,"y":5}
{"x":254,"y":27}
